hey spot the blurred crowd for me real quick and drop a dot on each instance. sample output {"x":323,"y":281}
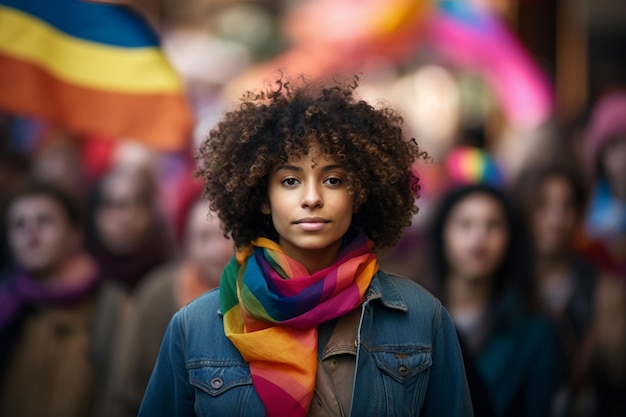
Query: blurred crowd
{"x":521,"y":232}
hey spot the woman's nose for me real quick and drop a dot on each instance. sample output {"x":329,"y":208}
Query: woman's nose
{"x":312,"y":196}
{"x":480,"y":233}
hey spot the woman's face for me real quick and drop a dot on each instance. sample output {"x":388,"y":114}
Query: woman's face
{"x":124,"y":218}
{"x":310,"y":207}
{"x":554,"y":217}
{"x":40,"y":235}
{"x":476,"y":237}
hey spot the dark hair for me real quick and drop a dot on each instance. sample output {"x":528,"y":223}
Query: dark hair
{"x":533,"y":177}
{"x":238,"y":156}
{"x":515,"y":271}
{"x":146,"y":185}
{"x":70,"y":206}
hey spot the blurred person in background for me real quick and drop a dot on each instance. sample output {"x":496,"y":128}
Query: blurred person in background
{"x":605,"y":223}
{"x":604,"y":241}
{"x":128,"y":236}
{"x":56,"y":158}
{"x":483,"y":275}
{"x":58,"y":319}
{"x":554,"y":198}
{"x":14,"y":167}
{"x":205,"y":254}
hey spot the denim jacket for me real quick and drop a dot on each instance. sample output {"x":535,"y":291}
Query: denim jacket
{"x":408,"y":360}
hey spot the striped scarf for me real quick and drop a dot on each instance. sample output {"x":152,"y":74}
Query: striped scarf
{"x":272,"y":307}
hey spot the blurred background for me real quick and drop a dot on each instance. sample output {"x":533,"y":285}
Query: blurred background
{"x":109,"y":99}
{"x":498,"y":74}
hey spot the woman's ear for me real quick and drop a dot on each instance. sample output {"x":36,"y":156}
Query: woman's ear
{"x":265,"y":208}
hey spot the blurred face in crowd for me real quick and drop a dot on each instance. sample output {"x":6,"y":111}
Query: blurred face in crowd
{"x":554,"y":217}
{"x":614,"y":165}
{"x":40,"y":235}
{"x":125,"y":215}
{"x":476,"y":237}
{"x":205,"y":244}
{"x":59,"y":163}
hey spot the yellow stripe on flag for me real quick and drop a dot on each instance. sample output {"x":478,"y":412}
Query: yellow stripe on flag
{"x":84,"y":63}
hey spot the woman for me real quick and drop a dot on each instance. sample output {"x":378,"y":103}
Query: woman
{"x":483,"y":275}
{"x":554,"y":199}
{"x":309,"y":181}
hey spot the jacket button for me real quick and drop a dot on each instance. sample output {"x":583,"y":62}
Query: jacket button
{"x":216,"y":383}
{"x":403,"y":370}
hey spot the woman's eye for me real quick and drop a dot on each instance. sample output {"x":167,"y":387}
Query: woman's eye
{"x":290,"y":181}
{"x":494,"y":225}
{"x":333,"y":181}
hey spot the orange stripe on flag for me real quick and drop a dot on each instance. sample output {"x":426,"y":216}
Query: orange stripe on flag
{"x":162,"y":121}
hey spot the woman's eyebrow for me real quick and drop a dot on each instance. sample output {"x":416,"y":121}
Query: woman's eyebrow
{"x":332,"y":167}
{"x":300,"y":169}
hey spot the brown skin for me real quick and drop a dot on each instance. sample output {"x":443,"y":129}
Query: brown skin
{"x":270,"y":127}
{"x":311,"y":209}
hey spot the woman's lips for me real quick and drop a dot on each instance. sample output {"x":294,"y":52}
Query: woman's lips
{"x":313,"y":224}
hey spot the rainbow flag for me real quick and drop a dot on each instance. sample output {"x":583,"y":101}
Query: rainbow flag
{"x":92,"y":68}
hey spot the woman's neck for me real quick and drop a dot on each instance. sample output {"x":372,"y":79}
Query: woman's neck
{"x":315,"y":260}
{"x":467,"y":295}
{"x":551,"y":267}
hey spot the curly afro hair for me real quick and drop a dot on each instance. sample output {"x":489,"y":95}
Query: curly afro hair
{"x":269,"y":127}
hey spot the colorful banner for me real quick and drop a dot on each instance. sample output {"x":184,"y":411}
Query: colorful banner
{"x":91,"y":68}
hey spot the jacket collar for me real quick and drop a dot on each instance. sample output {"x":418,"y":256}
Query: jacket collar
{"x":383,"y":288}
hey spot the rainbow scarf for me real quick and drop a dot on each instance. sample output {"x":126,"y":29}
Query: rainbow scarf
{"x":272,"y":307}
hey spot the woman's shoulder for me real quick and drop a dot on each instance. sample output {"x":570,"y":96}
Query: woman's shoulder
{"x":406,"y":284}
{"x":398,"y":290}
{"x":530,"y":327}
{"x":200,"y":324}
{"x":206,"y":305}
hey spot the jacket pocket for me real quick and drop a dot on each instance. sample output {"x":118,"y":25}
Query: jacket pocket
{"x":223,"y":387}
{"x":402,"y":364}
{"x":217,"y":377}
{"x":404,"y":373}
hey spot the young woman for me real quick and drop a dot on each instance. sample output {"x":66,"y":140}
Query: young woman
{"x":484,"y":276}
{"x":553,"y":196}
{"x":310,"y":183}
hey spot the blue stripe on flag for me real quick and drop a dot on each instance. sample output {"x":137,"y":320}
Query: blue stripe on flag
{"x":97,"y":22}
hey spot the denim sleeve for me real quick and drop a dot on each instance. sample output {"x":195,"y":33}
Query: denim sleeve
{"x":448,"y":392}
{"x":169,"y":393}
